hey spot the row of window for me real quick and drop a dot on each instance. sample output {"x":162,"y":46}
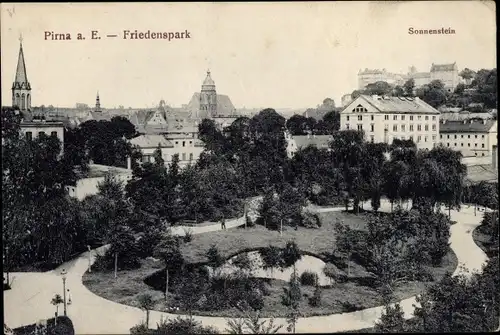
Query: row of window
{"x":395,"y":127}
{"x":29,"y":134}
{"x":419,"y":117}
{"x":468,"y":144}
{"x":147,"y":158}
{"x":419,"y":138}
{"x":184,"y":143}
{"x":461,"y":136}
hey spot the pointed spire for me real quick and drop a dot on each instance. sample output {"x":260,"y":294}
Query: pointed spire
{"x":97,"y":102}
{"x":21,"y":76}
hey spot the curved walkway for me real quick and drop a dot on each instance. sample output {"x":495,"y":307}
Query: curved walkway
{"x":29,"y":299}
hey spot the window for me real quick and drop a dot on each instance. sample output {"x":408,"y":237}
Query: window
{"x":433,"y":138}
{"x":29,"y":135}
{"x":419,"y":117}
{"x":468,"y":136}
{"x":386,"y":117}
{"x":468,"y":144}
{"x":360,"y":109}
{"x":427,"y":118}
{"x":426,"y":127}
{"x":395,"y":127}
{"x":434,"y":118}
{"x":482,"y":136}
{"x":347,"y":118}
{"x":425,"y":138}
{"x":386,"y":127}
{"x":448,"y":136}
{"x":360,"y":127}
{"x":483,"y":153}
{"x":482,"y":145}
{"x":411,"y":137}
{"x":360,"y":117}
{"x":373,"y":117}
{"x":475,"y":153}
{"x":183,"y":143}
{"x":372,"y":138}
{"x":455,"y":143}
{"x":419,"y":127}
{"x":403,"y":138}
{"x":347,"y":126}
{"x":191,"y":156}
{"x":461,"y":144}
{"x":419,"y":138}
{"x":372,"y":127}
{"x":411,"y":127}
{"x":411,"y":117}
{"x":402,"y":117}
{"x":403,"y":127}
{"x":475,"y":136}
{"x":395,"y":117}
{"x":475,"y":144}
{"x":447,"y":144}
{"x":441,"y":136}
{"x":455,"y":136}
{"x":190,"y":142}
{"x":53,"y":133}
{"x":40,"y":133}
{"x":433,"y":127}
{"x":176,"y":142}
{"x":183,"y":156}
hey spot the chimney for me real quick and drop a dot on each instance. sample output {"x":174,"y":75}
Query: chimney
{"x":484,"y":121}
{"x":465,"y":121}
{"x":471,"y":121}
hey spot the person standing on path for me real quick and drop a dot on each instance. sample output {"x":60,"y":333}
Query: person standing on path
{"x":69,"y":297}
{"x":223,"y":224}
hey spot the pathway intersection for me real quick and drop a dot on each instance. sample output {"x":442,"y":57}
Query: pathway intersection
{"x":29,"y":299}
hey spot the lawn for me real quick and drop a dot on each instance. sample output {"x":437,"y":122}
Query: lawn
{"x":341,"y":297}
{"x":315,"y":240}
{"x":483,"y":240}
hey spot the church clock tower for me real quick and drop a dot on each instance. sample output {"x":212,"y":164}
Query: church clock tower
{"x":208,"y":97}
{"x":21,"y":88}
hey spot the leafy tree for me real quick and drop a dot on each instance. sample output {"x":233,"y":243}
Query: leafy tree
{"x":56,"y":301}
{"x":398,"y":91}
{"x":290,"y":255}
{"x":182,"y":325}
{"x":146,"y":303}
{"x":378,"y":88}
{"x":297,"y":125}
{"x":214,"y":258}
{"x":291,"y":298}
{"x":391,"y":321}
{"x":467,"y":74}
{"x":409,"y":86}
{"x":433,"y":93}
{"x":168,"y":250}
{"x":271,"y":257}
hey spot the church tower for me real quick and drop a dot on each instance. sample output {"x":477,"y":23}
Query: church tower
{"x":208,"y":97}
{"x":97,"y":103}
{"x":21,"y":88}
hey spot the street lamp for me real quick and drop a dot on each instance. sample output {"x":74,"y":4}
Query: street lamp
{"x":63,"y":275}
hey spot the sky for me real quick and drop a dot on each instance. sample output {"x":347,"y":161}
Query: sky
{"x":278,"y":55}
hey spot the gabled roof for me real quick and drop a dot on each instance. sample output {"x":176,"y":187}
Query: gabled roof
{"x":151,"y":141}
{"x":467,"y":126}
{"x":443,"y":67}
{"x":393,"y":105}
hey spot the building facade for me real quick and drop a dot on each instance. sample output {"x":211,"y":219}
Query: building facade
{"x":298,"y":142}
{"x":447,"y":74}
{"x":189,"y":149}
{"x":383,"y":119}
{"x":473,"y":137}
{"x":369,"y":76}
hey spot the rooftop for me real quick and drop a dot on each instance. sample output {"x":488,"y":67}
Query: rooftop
{"x":443,"y":67}
{"x":151,"y":141}
{"x":319,"y":141}
{"x":386,"y":104}
{"x":478,"y":173}
{"x":467,"y":126}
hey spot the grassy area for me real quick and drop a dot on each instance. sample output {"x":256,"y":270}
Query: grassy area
{"x":483,"y":241}
{"x":341,"y":297}
{"x":229,"y":242}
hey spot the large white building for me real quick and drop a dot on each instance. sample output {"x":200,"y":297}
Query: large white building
{"x":473,"y":137}
{"x":384,"y":119}
{"x":188,"y":148}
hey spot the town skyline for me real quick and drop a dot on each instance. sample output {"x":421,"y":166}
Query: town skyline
{"x":293,"y":62}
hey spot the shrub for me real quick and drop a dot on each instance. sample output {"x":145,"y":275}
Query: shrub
{"x":315,"y":300}
{"x":309,"y":278}
{"x":188,"y":235}
{"x":147,"y":242}
{"x":64,"y":327}
{"x":309,"y":219}
{"x":129,"y":260}
{"x":141,"y":329}
{"x":183,"y":326}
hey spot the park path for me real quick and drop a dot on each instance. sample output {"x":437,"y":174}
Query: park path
{"x":29,"y":299}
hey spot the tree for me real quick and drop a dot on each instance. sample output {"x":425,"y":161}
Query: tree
{"x":122,"y":127}
{"x":146,"y":303}
{"x":332,"y":121}
{"x":467,"y":74}
{"x":409,"y":86}
{"x":378,"y":88}
{"x":157,"y":155}
{"x":398,"y":91}
{"x":391,"y":321}
{"x":251,"y":323}
{"x":433,"y":93}
{"x":215,"y":260}
{"x":291,"y":298}
{"x":271,"y":257}
{"x":56,"y":301}
{"x":290,"y":254}
{"x":297,"y":125}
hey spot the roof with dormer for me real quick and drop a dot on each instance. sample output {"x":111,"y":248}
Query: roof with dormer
{"x":467,"y":126}
{"x":151,"y":141}
{"x":21,"y":80}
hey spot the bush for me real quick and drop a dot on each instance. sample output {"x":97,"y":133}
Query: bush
{"x":315,"y":300}
{"x":309,"y":278}
{"x":309,"y":219}
{"x":183,"y":326}
{"x":188,"y":235}
{"x":147,"y":242}
{"x":141,"y":329}
{"x":64,"y":327}
{"x":127,"y":261}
